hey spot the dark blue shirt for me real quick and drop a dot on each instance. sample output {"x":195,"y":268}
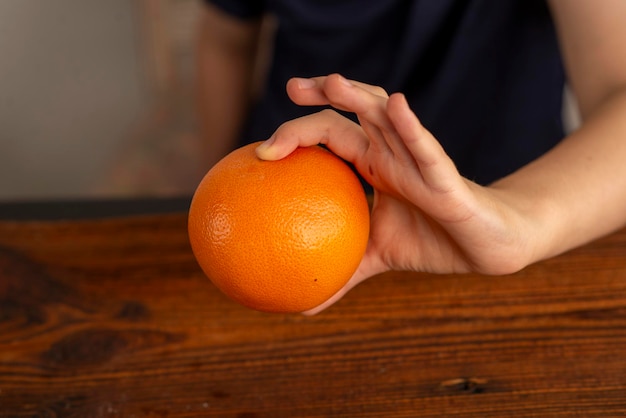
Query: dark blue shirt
{"x":485,"y":77}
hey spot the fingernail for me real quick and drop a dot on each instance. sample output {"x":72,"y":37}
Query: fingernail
{"x":305,"y":83}
{"x":263,"y":150}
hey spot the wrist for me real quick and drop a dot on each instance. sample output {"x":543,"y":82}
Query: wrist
{"x":533,"y":220}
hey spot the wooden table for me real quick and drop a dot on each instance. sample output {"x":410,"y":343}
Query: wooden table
{"x":111,"y":317}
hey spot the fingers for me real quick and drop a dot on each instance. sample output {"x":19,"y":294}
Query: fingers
{"x":335,"y":90}
{"x":312,"y":91}
{"x":342,"y":136}
{"x":366,"y":101}
{"x":389,"y":130}
{"x":307,"y":91}
{"x":437,"y":169}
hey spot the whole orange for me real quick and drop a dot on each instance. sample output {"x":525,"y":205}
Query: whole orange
{"x":279,"y":236}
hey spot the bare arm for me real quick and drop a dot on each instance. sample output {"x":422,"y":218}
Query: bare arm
{"x":577,"y":192}
{"x":592,"y":38}
{"x":226,"y":50}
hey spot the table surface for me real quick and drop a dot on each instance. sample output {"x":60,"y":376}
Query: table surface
{"x":111,"y":317}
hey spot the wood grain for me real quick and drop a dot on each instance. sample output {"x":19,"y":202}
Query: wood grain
{"x":113,"y":318}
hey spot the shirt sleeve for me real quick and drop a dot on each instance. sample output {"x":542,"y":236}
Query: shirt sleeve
{"x":244,"y":9}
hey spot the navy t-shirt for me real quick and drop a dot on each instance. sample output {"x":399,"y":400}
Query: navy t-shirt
{"x":485,"y":77}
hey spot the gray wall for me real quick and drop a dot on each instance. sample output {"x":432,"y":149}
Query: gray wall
{"x":70,"y":89}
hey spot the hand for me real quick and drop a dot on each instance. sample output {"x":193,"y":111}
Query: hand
{"x":425,"y":216}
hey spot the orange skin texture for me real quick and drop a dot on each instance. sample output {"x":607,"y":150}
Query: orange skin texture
{"x":279,"y":236}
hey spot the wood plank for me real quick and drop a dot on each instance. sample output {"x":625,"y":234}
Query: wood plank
{"x":114,"y":318}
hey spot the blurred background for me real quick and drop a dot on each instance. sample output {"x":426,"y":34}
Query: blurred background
{"x":95,"y":98}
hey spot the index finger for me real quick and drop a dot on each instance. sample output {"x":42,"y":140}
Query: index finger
{"x":342,"y":136}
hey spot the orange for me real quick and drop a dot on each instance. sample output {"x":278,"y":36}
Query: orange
{"x":279,"y":236}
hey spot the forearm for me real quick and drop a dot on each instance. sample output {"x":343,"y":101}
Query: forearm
{"x":577,"y":191}
{"x":225,"y":57}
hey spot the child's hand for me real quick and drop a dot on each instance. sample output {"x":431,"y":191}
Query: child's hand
{"x":425,"y":216}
